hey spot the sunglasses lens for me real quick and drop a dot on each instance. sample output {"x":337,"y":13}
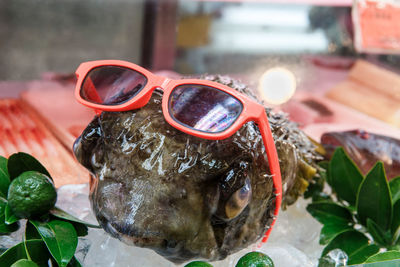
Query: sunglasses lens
{"x":111,"y":85}
{"x":204,"y":108}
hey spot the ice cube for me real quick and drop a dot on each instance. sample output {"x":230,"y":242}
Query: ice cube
{"x":74,"y":199}
{"x":336,"y":257}
{"x":297,"y":228}
{"x":108,"y":251}
{"x":287,"y":255}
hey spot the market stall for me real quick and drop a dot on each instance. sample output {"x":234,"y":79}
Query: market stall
{"x":180,"y":131}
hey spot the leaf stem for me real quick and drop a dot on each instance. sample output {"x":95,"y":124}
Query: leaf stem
{"x":26,"y":248}
{"x":396,"y":236}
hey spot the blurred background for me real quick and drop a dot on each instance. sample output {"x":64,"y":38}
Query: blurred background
{"x":327,"y":63}
{"x":189,"y":37}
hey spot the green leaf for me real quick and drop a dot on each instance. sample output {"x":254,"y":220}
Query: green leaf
{"x":37,"y":249}
{"x":374,"y":199}
{"x":395,"y":189}
{"x":384,"y":256}
{"x":330,"y":213}
{"x":10,"y":218}
{"x":59,"y":213}
{"x":31,"y":232}
{"x":377,"y":233}
{"x":350,"y":242}
{"x":13,"y":254}
{"x":24,"y":263}
{"x":38,"y":252}
{"x":344,"y":176}
{"x":321,"y":197}
{"x":4,"y":177}
{"x":5,"y":228}
{"x":60,"y":238}
{"x":330,"y":231}
{"x":363,"y":254}
{"x":81,"y":229}
{"x":21,"y":162}
{"x":395,"y":228}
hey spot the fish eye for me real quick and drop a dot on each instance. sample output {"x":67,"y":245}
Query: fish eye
{"x":239,"y":200}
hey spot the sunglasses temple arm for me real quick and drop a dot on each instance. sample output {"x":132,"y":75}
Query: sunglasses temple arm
{"x":273,"y":160}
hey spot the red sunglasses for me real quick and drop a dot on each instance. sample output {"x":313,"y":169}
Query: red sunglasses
{"x":201,"y":108}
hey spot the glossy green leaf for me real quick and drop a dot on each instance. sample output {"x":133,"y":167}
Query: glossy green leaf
{"x":330,"y":231}
{"x":10,"y":218}
{"x":395,"y":228}
{"x":21,"y":162}
{"x":31,"y":232}
{"x":344,"y":176}
{"x":350,"y":242}
{"x":395,"y":189}
{"x":384,"y":256}
{"x":3,"y":204}
{"x":4,"y":177}
{"x":374,"y":199}
{"x":37,"y":250}
{"x":377,"y":233}
{"x":60,"y":238}
{"x":59,"y":213}
{"x":321,"y":197}
{"x":24,"y":263}
{"x":81,"y":229}
{"x":329,"y":213}
{"x":6,"y":228}
{"x":363,"y":254}
{"x":14,"y":253}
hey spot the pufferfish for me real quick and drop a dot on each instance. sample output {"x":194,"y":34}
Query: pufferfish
{"x":188,"y":198}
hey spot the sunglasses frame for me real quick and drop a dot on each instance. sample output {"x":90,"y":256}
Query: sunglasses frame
{"x":251,"y":111}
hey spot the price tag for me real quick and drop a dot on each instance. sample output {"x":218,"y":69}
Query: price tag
{"x":377,"y":26}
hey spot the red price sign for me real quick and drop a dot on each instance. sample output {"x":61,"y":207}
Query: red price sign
{"x":377,"y":26}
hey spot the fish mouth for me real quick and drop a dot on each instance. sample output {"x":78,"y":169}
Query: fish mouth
{"x":173,"y":250}
{"x":132,"y":236}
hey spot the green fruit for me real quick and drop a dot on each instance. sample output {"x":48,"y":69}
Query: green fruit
{"x":31,"y":194}
{"x":198,"y":264}
{"x":24,"y":263}
{"x":255,"y":259}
